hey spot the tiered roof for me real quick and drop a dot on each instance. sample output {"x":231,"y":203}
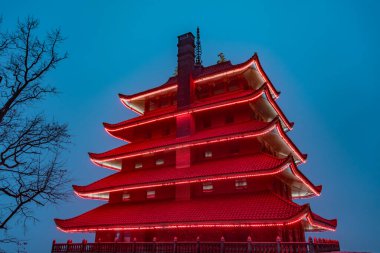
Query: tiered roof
{"x":245,"y":210}
{"x":120,"y":130}
{"x":261,"y":164}
{"x":200,"y":75}
{"x":112,"y":159}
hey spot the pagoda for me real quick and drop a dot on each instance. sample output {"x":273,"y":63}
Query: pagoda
{"x":208,"y":156}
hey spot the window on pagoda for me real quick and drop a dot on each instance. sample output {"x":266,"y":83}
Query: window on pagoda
{"x":234,"y":148}
{"x":138,"y":165}
{"x":202,"y":91}
{"x":219,"y":88}
{"x":164,"y":101}
{"x":208,"y":187}
{"x":150,"y":194}
{"x":148,"y":134}
{"x":160,"y":162}
{"x":126,"y":196}
{"x":234,"y":85}
{"x":241,"y":183}
{"x":208,"y":154}
{"x":153,"y":104}
{"x":229,"y":118}
{"x":166,"y":131}
{"x":207,"y":122}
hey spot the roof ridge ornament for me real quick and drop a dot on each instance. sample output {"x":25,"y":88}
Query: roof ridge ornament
{"x":222,"y":58}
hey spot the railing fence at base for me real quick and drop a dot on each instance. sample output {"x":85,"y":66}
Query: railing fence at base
{"x":312,"y":246}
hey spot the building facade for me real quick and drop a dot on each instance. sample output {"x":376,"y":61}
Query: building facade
{"x":208,"y":156}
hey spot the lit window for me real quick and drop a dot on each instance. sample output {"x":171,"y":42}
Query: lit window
{"x":208,"y":154}
{"x":138,"y":165}
{"x":126,"y":196}
{"x":241,"y":183}
{"x":159,"y":161}
{"x":208,"y":187}
{"x":151,"y":194}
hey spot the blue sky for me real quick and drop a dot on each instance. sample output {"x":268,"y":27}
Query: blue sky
{"x":322,"y":56}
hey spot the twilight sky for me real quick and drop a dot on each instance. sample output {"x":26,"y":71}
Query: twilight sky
{"x":321,"y":55}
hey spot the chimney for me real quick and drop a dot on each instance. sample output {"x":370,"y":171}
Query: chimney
{"x":185,"y":67}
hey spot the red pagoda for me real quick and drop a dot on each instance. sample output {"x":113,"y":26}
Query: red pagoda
{"x":208,"y":156}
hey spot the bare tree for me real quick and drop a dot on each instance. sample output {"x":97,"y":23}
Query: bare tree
{"x":30,"y":169}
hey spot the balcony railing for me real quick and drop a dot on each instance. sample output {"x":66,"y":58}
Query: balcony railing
{"x":312,"y":246}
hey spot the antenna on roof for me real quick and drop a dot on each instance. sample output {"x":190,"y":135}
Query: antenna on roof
{"x":198,"y":49}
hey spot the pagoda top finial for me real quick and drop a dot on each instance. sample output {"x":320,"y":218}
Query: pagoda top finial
{"x":198,"y":49}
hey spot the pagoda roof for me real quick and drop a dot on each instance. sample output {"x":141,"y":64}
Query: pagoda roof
{"x":243,"y":210}
{"x":201,"y":74}
{"x":112,"y":159}
{"x":260,"y":164}
{"x":224,"y":100}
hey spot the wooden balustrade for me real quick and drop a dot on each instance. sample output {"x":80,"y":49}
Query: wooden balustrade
{"x":312,"y":246}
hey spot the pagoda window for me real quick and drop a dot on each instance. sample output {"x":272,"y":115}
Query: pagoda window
{"x":241,"y":183}
{"x":208,"y":187}
{"x":148,"y":134}
{"x":160,"y":162}
{"x":166,"y":131}
{"x":153,"y":105}
{"x":126,"y":196}
{"x":150,"y":194}
{"x":229,"y":118}
{"x":219,"y":88}
{"x":203,"y":91}
{"x":138,"y":165}
{"x":147,"y":103}
{"x":164,"y":101}
{"x":208,"y":154}
{"x":233,"y":85}
{"x":207,"y":122}
{"x":234,"y":148}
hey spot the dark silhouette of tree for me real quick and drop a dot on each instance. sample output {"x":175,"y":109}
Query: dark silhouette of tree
{"x":30,"y":169}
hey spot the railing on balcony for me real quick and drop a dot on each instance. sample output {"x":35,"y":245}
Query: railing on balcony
{"x":312,"y":246}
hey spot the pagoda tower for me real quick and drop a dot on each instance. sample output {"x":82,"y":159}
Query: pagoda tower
{"x":207,"y":156}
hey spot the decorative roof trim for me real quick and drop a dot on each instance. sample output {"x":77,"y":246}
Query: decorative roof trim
{"x":329,"y":225}
{"x":243,"y":224}
{"x":253,"y":61}
{"x":288,"y":163}
{"x":304,"y":215}
{"x":97,"y":159}
{"x":271,"y":171}
{"x":109,"y":128}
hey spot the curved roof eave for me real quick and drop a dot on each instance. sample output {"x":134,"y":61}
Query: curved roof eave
{"x":172,"y":85}
{"x":253,"y":96}
{"x":98,"y":159}
{"x":81,"y":190}
{"x":102,"y":159}
{"x":259,"y":202}
{"x":314,"y":190}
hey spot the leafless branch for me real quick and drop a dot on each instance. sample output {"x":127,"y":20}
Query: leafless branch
{"x":31,"y":173}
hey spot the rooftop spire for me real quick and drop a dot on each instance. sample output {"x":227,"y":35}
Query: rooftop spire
{"x":198,"y":49}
